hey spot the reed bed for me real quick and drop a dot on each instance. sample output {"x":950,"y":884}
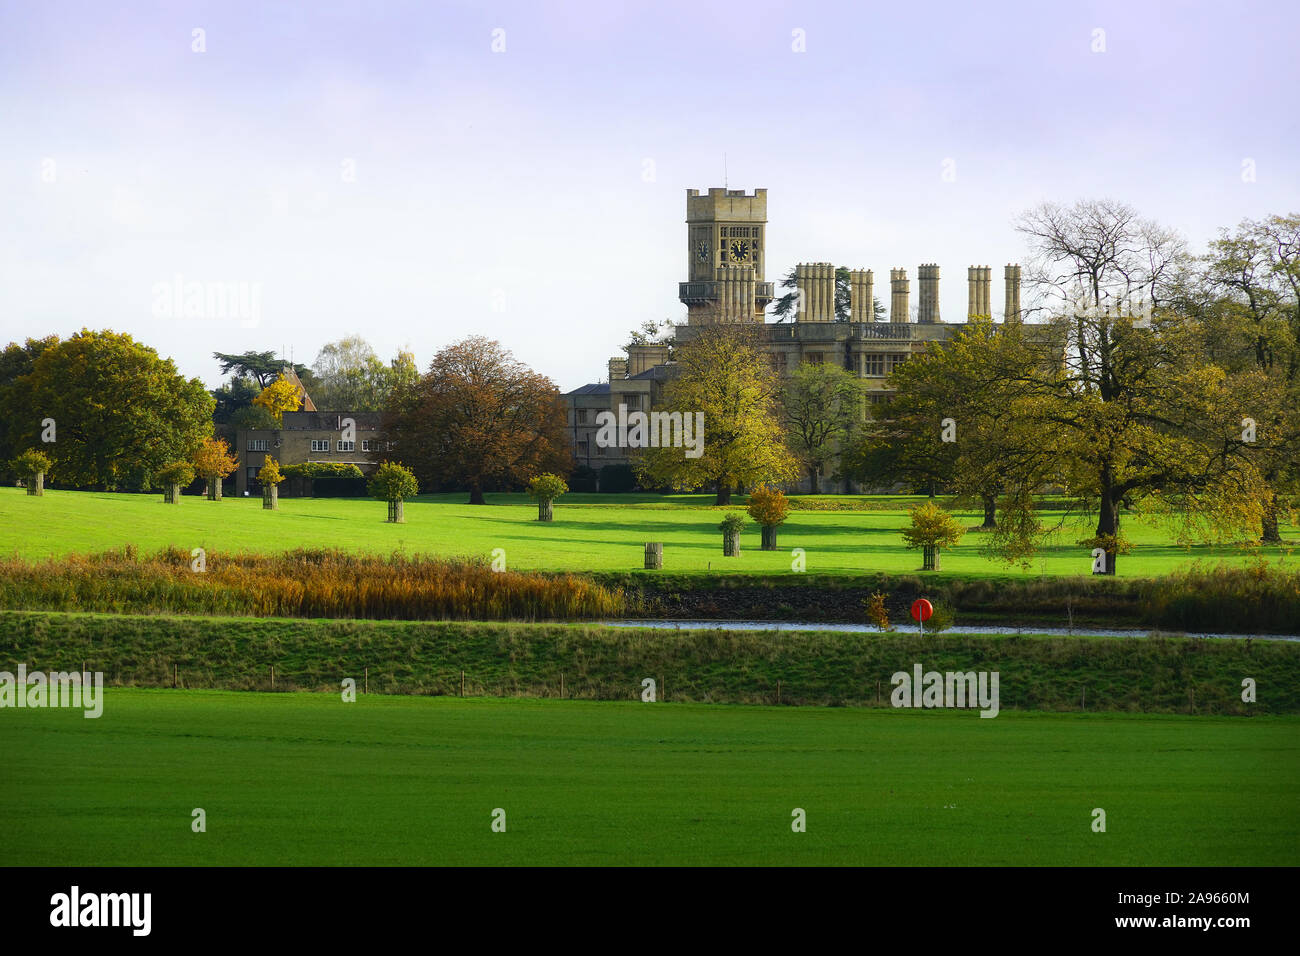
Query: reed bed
{"x":314,"y":583}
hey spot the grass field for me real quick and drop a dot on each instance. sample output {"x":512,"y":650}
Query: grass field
{"x":308,"y":779}
{"x":590,"y":533}
{"x":590,"y":662}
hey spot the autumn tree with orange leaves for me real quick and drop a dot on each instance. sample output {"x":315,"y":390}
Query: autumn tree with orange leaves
{"x":478,"y":420}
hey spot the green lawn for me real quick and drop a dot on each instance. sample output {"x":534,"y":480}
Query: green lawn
{"x":308,"y":779}
{"x":590,"y":532}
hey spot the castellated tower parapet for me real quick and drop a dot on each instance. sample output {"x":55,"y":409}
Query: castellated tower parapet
{"x":927,"y":277}
{"x":898,"y":296}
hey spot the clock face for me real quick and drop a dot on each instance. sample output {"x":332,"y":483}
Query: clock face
{"x":702,"y":250}
{"x":739,"y":250}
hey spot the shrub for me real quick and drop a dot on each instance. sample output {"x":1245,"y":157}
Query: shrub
{"x":931,"y":530}
{"x":393,"y":482}
{"x":31,"y":463}
{"x":270,"y":473}
{"x":768,"y":506}
{"x":176,"y":473}
{"x":732,"y":523}
{"x":546,"y":487}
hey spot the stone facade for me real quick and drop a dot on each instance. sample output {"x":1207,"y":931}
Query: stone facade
{"x":307,"y":437}
{"x":726,"y":250}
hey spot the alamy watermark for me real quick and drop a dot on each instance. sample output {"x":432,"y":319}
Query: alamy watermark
{"x":953,"y":689}
{"x":651,"y":430}
{"x":58,"y":689}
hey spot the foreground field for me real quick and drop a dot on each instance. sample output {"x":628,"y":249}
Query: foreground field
{"x":590,"y":533}
{"x":308,"y":779}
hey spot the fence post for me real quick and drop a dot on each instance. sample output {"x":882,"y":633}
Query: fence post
{"x":462,"y":683}
{"x":561,"y":686}
{"x":272,"y":677}
{"x":367,"y":680}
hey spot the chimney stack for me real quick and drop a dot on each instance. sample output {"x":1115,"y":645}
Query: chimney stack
{"x":1012,"y":280}
{"x":898,"y":295}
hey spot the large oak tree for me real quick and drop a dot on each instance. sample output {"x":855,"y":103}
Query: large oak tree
{"x":478,"y":420}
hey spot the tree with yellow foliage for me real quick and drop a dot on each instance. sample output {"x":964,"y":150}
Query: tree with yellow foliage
{"x":279,"y":397}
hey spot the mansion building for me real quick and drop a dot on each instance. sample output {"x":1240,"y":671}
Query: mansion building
{"x":726,"y":243}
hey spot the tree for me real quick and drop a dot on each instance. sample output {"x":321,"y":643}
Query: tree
{"x":115,"y":410}
{"x":478,"y":420}
{"x":931,"y":529}
{"x":212,"y":462}
{"x":726,"y":376}
{"x":784,"y":306}
{"x":279,"y":397}
{"x":822,"y":407}
{"x":17,"y":361}
{"x":544,"y":489}
{"x":769,"y":508}
{"x":956,"y":420}
{"x":32,"y":466}
{"x":1247,"y":301}
{"x":1122,"y":395}
{"x":263,"y":367}
{"x":173,"y":476}
{"x":394,"y":483}
{"x":351,"y":377}
{"x":269,"y":477}
{"x":731,"y":527}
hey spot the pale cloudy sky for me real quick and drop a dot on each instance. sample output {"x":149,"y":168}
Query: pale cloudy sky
{"x":380,"y":170}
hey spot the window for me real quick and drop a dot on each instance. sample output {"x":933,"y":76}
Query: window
{"x":347,"y":446}
{"x":878,"y":398}
{"x":582,"y":448}
{"x":873,"y":365}
{"x":320,"y":444}
{"x":633,"y":401}
{"x":813,"y":358}
{"x":582,"y":416}
{"x":259,"y":444}
{"x":896,"y":359}
{"x":367,"y":444}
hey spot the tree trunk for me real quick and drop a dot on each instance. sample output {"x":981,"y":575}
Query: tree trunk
{"x":1269,"y":520}
{"x":270,"y":497}
{"x":769,"y":537}
{"x":172,"y":494}
{"x":731,"y":544}
{"x":990,"y":513}
{"x":930,"y":557}
{"x":724,"y":492}
{"x":815,"y":480}
{"x":214,"y":489}
{"x":395,"y":512}
{"x":544,"y":512}
{"x":476,"y":496}
{"x":654,"y":555}
{"x":36,"y":484}
{"x":1108,"y":525}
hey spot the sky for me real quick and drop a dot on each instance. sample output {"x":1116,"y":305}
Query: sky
{"x":419,"y":172}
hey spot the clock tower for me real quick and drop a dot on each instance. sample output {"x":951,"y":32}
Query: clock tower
{"x":726,"y":238}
